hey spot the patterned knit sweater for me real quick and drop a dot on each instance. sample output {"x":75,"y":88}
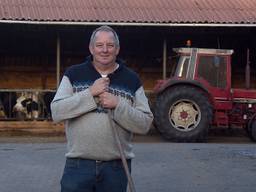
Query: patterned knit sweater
{"x":87,"y":125}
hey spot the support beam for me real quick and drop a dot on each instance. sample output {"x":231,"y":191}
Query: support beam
{"x":164,"y":58}
{"x":58,"y":62}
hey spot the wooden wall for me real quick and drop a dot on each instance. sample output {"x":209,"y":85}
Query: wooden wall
{"x":25,"y":72}
{"x":39,"y":72}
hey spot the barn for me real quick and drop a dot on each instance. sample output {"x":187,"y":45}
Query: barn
{"x":40,"y":39}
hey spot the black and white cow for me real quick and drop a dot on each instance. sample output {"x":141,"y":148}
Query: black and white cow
{"x":27,"y":105}
{"x":47,"y":98}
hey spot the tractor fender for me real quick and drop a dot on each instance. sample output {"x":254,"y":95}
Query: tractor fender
{"x":173,"y":82}
{"x":178,"y":82}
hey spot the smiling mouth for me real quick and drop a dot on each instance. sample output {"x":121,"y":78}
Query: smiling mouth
{"x":105,"y":56}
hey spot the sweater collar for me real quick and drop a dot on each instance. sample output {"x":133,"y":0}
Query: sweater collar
{"x":118,"y":60}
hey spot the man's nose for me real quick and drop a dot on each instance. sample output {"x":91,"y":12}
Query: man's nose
{"x":105,"y":48}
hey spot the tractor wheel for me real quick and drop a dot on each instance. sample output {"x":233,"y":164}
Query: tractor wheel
{"x":252,"y":130}
{"x":183,"y":114}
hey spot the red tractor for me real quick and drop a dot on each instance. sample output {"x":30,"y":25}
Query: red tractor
{"x":199,"y":96}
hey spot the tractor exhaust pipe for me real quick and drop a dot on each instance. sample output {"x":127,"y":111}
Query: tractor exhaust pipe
{"x":247,"y":71}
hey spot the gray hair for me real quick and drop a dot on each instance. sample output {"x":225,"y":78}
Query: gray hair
{"x":106,"y":29}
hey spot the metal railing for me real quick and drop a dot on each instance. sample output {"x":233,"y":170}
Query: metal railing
{"x":25,"y":104}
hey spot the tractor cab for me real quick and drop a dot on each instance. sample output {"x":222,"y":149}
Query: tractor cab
{"x":210,"y":67}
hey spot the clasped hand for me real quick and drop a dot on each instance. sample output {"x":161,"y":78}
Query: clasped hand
{"x":100,"y":89}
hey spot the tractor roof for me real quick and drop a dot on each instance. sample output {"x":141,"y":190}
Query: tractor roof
{"x":186,"y":50}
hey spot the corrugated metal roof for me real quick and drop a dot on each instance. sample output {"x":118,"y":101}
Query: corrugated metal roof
{"x":131,"y":11}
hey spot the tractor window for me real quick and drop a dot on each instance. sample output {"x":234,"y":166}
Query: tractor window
{"x":214,"y":70}
{"x":182,"y":67}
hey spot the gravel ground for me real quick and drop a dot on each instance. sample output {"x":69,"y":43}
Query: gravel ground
{"x":37,"y":165}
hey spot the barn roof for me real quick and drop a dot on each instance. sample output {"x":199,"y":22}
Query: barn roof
{"x":130,"y":12}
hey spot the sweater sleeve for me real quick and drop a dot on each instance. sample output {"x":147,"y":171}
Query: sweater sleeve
{"x":137,"y":118}
{"x":67,"y":105}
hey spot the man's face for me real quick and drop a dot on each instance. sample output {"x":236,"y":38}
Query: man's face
{"x":104,"y":49}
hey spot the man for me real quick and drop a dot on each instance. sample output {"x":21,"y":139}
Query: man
{"x":86,"y":94}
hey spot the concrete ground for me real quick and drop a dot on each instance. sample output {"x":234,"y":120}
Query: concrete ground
{"x":36,"y":164}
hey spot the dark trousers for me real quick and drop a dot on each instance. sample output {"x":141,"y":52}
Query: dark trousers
{"x":82,"y":175}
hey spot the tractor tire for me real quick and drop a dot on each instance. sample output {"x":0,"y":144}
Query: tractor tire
{"x":183,"y":114}
{"x":252,"y":130}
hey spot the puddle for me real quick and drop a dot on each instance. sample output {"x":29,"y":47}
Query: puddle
{"x":44,"y":148}
{"x":7,"y":149}
{"x":251,"y":154}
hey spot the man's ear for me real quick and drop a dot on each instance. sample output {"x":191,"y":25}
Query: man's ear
{"x":117,"y":50}
{"x":91,"y":49}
